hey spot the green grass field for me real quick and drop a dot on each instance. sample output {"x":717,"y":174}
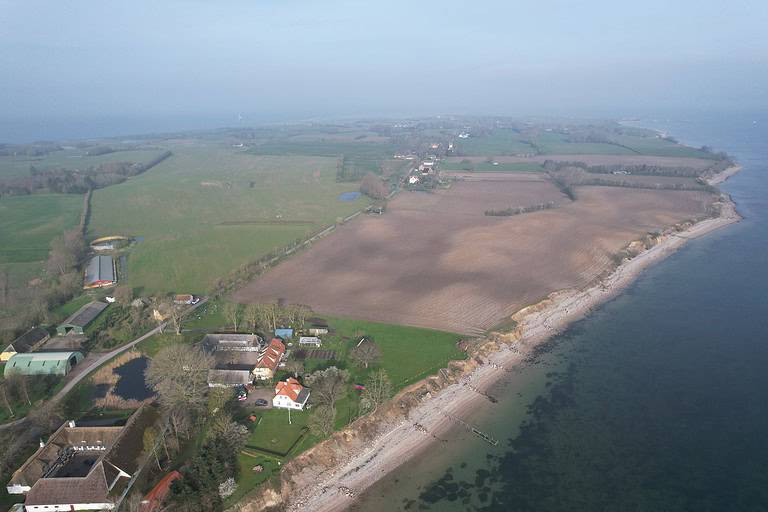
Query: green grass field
{"x":498,"y":142}
{"x":206,"y":211}
{"x":489,"y":167}
{"x":660,"y":147}
{"x":29,"y":223}
{"x":18,"y":166}
{"x":27,"y":226}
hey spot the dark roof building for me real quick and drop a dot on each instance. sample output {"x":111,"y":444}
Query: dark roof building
{"x":27,"y":342}
{"x":83,"y":468}
{"x":100,"y":272}
{"x":77,"y":323}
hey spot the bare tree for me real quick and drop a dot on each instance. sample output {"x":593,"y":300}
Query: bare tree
{"x":228,"y":430}
{"x":327,"y":385}
{"x":18,"y":385}
{"x":295,"y":366}
{"x":251,"y":314}
{"x":378,"y":389}
{"x":366,"y":353}
{"x":231,"y":312}
{"x":176,"y":314}
{"x":124,"y":295}
{"x":321,"y":421}
{"x":179,"y":375}
{"x":6,"y":401}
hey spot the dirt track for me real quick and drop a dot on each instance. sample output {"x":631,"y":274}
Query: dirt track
{"x":435,"y":260}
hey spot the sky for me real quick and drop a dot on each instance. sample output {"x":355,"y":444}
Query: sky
{"x":102,"y":63}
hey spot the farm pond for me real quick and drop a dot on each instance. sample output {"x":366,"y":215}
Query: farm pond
{"x":131,"y":384}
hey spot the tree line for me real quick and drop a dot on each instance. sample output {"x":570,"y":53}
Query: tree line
{"x":76,"y":181}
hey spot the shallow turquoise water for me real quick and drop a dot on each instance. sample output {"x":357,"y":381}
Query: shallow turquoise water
{"x":656,"y":402}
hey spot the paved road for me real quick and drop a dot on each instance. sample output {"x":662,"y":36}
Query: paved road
{"x":103,"y":358}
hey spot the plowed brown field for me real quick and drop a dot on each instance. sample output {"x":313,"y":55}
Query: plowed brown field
{"x":435,"y":260}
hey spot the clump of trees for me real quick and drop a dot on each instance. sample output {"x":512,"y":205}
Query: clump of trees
{"x":508,"y":212}
{"x":179,"y":375}
{"x":374,"y":187}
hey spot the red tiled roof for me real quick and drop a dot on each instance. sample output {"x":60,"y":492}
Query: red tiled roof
{"x":272,"y":355}
{"x":157,"y":495}
{"x":290,"y":388}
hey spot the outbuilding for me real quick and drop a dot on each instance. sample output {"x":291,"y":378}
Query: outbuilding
{"x":310,"y":340}
{"x":27,"y":342}
{"x":42,"y":363}
{"x":77,"y":323}
{"x":100,"y":272}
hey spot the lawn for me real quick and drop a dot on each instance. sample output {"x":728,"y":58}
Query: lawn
{"x":271,"y":432}
{"x":208,"y":210}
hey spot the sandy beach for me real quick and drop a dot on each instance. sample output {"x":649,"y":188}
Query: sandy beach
{"x":336,"y":489}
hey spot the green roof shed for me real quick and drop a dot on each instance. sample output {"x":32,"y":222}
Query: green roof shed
{"x":42,"y":363}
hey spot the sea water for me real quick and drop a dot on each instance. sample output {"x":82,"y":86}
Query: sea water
{"x":658,"y":401}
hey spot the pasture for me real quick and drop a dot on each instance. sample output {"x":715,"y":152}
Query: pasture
{"x":435,"y":260}
{"x":209,"y":209}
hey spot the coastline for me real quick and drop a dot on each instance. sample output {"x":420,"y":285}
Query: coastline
{"x":405,"y":437}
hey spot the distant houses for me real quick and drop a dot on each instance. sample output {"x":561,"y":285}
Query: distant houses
{"x":290,"y":394}
{"x":100,"y":272}
{"x":79,"y":320}
{"x":27,"y":342}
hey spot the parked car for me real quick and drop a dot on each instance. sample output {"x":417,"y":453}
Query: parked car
{"x":260,"y":402}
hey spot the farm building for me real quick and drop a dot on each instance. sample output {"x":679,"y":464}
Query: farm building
{"x":42,"y":363}
{"x":235,"y":356}
{"x":185,"y":299}
{"x":284,"y":333}
{"x":80,"y":319}
{"x":233,"y":343}
{"x":269,"y":360}
{"x":228,"y":378}
{"x":83,"y":468}
{"x":289,"y":394}
{"x":100,"y":272}
{"x":310,"y":340}
{"x":27,"y":342}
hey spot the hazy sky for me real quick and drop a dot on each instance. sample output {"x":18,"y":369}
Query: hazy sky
{"x":296,"y":58}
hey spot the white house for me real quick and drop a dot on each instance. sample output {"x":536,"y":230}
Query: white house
{"x":289,"y":394}
{"x":310,"y":340}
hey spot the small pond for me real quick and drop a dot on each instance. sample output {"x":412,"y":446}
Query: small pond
{"x":349,"y":196}
{"x":131,"y":385}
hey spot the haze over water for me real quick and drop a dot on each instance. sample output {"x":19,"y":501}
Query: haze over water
{"x":658,"y":401}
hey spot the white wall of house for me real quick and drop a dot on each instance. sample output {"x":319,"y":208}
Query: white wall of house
{"x":284,"y":402}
